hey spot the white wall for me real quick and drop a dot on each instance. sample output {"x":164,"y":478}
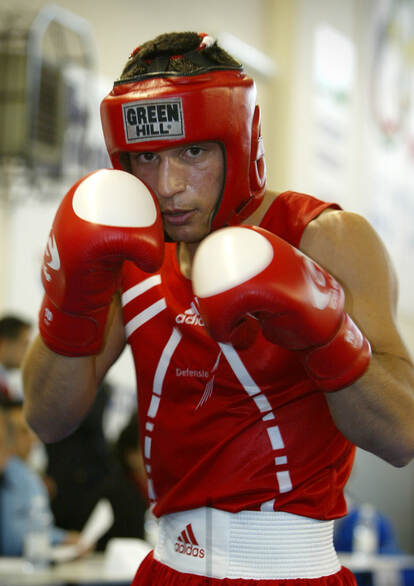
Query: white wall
{"x":118,"y":27}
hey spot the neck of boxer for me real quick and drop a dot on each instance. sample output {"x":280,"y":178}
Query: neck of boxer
{"x":187,"y":250}
{"x":185,"y":254}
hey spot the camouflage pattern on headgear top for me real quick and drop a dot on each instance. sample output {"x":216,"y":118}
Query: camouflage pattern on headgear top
{"x":164,"y":109}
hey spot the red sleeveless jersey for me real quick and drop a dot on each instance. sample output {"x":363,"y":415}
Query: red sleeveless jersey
{"x":230,"y":429}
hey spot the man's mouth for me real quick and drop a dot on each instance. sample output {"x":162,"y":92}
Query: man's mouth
{"x":177,"y":217}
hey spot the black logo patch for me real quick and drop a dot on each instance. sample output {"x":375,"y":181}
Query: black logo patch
{"x":153,"y":120}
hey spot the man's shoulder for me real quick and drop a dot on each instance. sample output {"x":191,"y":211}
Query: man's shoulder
{"x":288,"y":213}
{"x":335,"y":222}
{"x":267,"y":202}
{"x":288,"y":202}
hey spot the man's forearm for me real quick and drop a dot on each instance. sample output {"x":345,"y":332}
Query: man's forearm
{"x":377,"y":411}
{"x":58,"y":391}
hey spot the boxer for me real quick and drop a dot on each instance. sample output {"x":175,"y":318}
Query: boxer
{"x":264,"y":339}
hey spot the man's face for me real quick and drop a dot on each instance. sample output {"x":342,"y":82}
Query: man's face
{"x":187,"y":182}
{"x":12,"y":351}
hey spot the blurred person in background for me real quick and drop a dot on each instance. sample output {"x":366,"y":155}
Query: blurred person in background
{"x":85,"y":467}
{"x":14,"y":341}
{"x":366,"y":530}
{"x":126,"y":488}
{"x":24,"y":438}
{"x":79,"y":466}
{"x":21,"y":486}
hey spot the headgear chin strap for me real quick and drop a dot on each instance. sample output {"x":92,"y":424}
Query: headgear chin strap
{"x":165,"y":110}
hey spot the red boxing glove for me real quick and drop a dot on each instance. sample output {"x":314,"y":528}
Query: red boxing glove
{"x":105,"y":218}
{"x":244,"y":271}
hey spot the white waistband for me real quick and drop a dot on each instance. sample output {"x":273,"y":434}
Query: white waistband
{"x":256,"y":545}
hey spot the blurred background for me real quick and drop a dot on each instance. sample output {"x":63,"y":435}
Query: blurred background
{"x":336,"y":88}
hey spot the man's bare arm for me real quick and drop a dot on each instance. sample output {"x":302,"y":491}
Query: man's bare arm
{"x":59,"y":390}
{"x":377,"y":411}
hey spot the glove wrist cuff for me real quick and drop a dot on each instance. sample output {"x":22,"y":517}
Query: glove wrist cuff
{"x":341,"y":361}
{"x":71,"y":334}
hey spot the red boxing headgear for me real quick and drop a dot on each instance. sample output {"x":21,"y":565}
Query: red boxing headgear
{"x":164,"y":111}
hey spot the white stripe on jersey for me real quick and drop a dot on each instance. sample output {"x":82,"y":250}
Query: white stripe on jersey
{"x":165,"y":360}
{"x":283,"y":479}
{"x":140,"y":288}
{"x":240,"y":370}
{"x":275,"y":437}
{"x":159,"y":376}
{"x":144,"y":316}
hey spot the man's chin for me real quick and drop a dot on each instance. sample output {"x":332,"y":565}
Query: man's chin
{"x":183,"y":234}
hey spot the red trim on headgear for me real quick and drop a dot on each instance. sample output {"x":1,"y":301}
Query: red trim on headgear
{"x":135,"y":51}
{"x":218,"y":105}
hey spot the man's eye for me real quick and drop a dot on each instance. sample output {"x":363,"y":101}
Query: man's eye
{"x":145,"y":157}
{"x":194,"y":151}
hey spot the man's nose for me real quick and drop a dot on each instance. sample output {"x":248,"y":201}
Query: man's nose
{"x":171,"y":177}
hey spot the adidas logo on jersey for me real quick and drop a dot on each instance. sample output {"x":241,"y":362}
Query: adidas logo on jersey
{"x":187,"y":544}
{"x":190,"y":318}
